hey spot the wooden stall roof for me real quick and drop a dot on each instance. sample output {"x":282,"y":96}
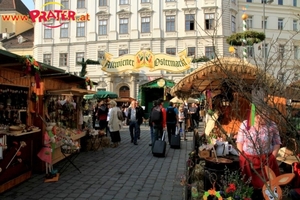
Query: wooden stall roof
{"x":213,"y":73}
{"x":70,"y":91}
{"x":10,"y":61}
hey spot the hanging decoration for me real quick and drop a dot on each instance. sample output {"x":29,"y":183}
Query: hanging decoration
{"x":251,"y":37}
{"x":31,"y":66}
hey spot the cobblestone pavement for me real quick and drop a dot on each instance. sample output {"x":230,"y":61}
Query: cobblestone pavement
{"x":126,"y":172}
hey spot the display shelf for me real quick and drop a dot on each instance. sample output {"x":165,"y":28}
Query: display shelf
{"x":57,"y":154}
{"x":23,"y":133}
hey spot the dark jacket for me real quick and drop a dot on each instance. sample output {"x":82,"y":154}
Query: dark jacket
{"x":139,"y":114}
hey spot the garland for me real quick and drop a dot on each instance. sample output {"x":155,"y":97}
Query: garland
{"x":31,"y":67}
{"x":251,"y":37}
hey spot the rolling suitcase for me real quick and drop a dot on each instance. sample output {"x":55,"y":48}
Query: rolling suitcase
{"x":159,"y":147}
{"x":175,"y":140}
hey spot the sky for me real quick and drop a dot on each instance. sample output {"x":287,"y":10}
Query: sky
{"x":29,"y":4}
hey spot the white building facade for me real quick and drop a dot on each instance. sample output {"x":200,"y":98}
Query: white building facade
{"x":163,"y":26}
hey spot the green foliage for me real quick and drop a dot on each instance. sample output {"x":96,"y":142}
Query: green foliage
{"x":201,"y":59}
{"x":252,"y":37}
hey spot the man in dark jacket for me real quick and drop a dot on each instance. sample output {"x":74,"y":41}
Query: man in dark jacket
{"x":135,"y":117}
{"x":141,"y":111}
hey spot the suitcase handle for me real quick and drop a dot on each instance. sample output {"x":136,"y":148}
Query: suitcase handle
{"x":163,"y":136}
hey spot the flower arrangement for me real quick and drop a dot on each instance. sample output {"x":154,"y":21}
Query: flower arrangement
{"x":234,"y":187}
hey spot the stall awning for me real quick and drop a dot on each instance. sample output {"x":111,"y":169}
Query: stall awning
{"x":211,"y":76}
{"x":71,"y":91}
{"x":102,"y":95}
{"x":155,"y":83}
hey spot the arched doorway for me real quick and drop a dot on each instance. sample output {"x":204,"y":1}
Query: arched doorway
{"x":124,"y":92}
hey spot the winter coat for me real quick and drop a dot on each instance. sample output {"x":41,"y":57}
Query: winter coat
{"x":114,"y":123}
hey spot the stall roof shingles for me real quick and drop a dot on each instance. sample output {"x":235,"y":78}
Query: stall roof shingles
{"x":14,"y":5}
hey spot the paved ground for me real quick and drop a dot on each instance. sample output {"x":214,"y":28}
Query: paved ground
{"x":126,"y":172}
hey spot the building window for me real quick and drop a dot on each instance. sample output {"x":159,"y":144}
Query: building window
{"x":250,"y":51}
{"x":64,"y":30}
{"x":295,"y":3}
{"x":280,"y":24}
{"x":169,"y":0}
{"x":101,"y":55}
{"x":209,"y":52}
{"x":145,"y":24}
{"x":124,"y":2}
{"x":191,"y":51}
{"x":123,"y":52}
{"x":102,"y":2}
{"x":280,"y":2}
{"x":48,"y":32}
{"x":123,"y":26}
{"x":209,"y":21}
{"x":171,"y":51}
{"x":79,"y":57}
{"x":145,"y":1}
{"x":295,"y":25}
{"x":170,"y":22}
{"x":47,"y":59}
{"x":189,"y":22}
{"x":249,"y":22}
{"x":264,"y":23}
{"x":296,"y":52}
{"x":233,"y":23}
{"x":80,"y":31}
{"x":249,"y":1}
{"x":80,"y":3}
{"x":265,"y":50}
{"x":63,"y":59}
{"x":102,"y":27}
{"x":50,"y":6}
{"x":65,"y":4}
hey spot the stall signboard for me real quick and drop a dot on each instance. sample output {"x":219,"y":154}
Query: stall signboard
{"x":146,"y":58}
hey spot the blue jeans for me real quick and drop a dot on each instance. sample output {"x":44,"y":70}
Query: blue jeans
{"x":133,"y":125}
{"x":152,"y":134}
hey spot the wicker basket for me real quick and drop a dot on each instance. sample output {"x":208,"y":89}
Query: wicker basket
{"x":69,"y":150}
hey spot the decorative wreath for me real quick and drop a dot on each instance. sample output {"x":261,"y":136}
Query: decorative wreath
{"x":251,"y":37}
{"x":212,"y":192}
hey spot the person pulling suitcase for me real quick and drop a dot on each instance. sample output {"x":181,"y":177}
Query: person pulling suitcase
{"x":158,"y":120}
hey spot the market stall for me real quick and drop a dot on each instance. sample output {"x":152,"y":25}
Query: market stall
{"x":230,"y":85}
{"x":24,"y":83}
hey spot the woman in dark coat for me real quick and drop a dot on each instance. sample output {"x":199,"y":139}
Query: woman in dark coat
{"x":102,"y":115}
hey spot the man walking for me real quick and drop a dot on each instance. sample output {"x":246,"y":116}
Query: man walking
{"x":141,"y":111}
{"x":135,"y":118}
{"x":172,"y":120}
{"x":158,"y":120}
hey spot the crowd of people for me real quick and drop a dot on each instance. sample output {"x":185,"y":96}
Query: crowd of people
{"x":174,"y":119}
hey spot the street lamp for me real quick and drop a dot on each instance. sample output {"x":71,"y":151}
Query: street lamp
{"x":264,"y":29}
